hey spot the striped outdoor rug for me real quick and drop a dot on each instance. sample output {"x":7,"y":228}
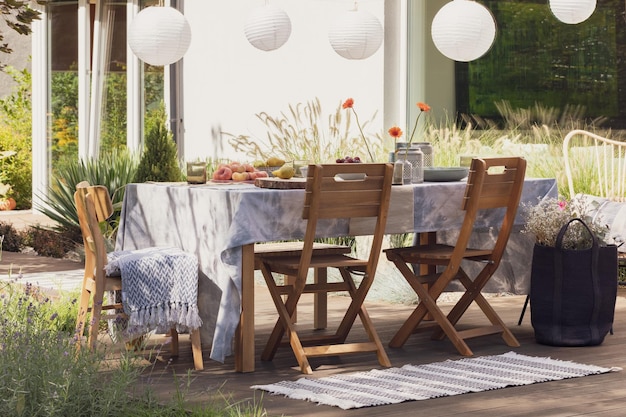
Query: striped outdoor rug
{"x":421,"y":382}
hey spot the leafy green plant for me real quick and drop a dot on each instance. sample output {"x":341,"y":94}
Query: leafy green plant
{"x":113,"y":170}
{"x":159,"y":161}
{"x":15,"y":136}
{"x":43,"y":374}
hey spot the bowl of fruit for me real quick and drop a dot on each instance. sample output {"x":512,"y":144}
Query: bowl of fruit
{"x":350,"y":177}
{"x":237,"y":172}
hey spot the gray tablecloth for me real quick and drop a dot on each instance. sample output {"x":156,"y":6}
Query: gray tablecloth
{"x":213,"y":221}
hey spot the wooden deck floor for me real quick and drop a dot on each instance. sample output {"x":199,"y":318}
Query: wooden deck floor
{"x":599,"y":395}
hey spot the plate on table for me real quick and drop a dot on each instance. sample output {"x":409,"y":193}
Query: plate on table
{"x":442,"y":174}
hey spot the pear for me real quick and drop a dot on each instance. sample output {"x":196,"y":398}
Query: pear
{"x":275,"y":162}
{"x":285,"y":172}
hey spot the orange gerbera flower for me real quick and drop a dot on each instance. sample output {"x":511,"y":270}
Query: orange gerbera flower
{"x":349,"y":104}
{"x":423,"y":108}
{"x":395,"y":132}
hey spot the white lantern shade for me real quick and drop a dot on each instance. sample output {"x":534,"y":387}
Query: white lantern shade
{"x":159,"y":35}
{"x":572,"y":11}
{"x":463,"y":30}
{"x":267,"y":27}
{"x":356,"y":34}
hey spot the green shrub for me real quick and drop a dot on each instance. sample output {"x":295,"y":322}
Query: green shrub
{"x":15,"y":135}
{"x":43,"y":373}
{"x":12,"y":240}
{"x":51,"y":243}
{"x":159,"y":161}
{"x":113,"y":170}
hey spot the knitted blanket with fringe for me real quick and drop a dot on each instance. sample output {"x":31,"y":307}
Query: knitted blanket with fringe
{"x":159,"y":288}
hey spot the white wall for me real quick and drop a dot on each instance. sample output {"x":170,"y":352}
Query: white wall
{"x":227,"y":81}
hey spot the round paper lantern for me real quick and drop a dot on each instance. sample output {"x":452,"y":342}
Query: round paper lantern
{"x":267,"y":27}
{"x":356,"y":34}
{"x":463,"y":30}
{"x":159,"y":35}
{"x":572,"y":11}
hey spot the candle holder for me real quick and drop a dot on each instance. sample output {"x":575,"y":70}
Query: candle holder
{"x":196,"y":173}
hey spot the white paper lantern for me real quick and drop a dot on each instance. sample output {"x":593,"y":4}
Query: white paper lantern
{"x":267,"y":27}
{"x":159,"y":35}
{"x":572,"y":11}
{"x":463,"y":30}
{"x":356,"y":34}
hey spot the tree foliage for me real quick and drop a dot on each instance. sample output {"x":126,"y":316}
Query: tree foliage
{"x":18,"y":16}
{"x":159,"y":161}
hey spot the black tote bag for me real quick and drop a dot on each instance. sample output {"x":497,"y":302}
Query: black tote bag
{"x":573,"y":292}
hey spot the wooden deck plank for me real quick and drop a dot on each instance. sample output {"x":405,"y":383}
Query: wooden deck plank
{"x":593,"y":395}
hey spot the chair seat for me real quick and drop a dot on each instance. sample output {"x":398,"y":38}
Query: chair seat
{"x":273,"y":249}
{"x":434,"y":253}
{"x":288,"y":265}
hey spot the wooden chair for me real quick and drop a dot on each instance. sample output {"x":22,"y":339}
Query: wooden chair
{"x":329,"y":197}
{"x":93,"y":205}
{"x":492,"y":183}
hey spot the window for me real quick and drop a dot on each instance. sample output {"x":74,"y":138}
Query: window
{"x":538,"y":59}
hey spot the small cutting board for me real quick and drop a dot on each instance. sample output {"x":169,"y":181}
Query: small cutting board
{"x":281,"y":184}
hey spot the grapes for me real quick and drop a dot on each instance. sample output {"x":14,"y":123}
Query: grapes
{"x":349,"y":160}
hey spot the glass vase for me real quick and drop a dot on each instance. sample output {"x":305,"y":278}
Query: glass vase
{"x":402,"y":170}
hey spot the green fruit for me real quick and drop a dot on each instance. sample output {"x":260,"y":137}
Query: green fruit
{"x":285,"y":172}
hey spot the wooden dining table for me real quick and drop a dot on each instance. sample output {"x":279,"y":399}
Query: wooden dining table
{"x":221,"y":222}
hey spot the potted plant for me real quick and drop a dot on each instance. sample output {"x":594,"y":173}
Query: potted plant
{"x":573,"y":273}
{"x":6,"y":201}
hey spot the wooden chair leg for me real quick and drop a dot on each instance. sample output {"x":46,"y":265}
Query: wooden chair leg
{"x":96,"y":314}
{"x":291,"y":280}
{"x":83,"y":310}
{"x":174,"y":342}
{"x":473,"y":293}
{"x":427,"y":304}
{"x":284,"y":324}
{"x":196,"y":348}
{"x":358,"y":298}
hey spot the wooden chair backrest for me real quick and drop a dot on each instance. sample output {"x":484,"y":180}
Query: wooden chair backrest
{"x":492,"y":183}
{"x":327,"y":196}
{"x":599,"y":161}
{"x":93,"y":205}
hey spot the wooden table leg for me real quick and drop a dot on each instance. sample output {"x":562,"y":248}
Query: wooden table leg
{"x":320,"y":303}
{"x":428,"y":238}
{"x":244,"y":337}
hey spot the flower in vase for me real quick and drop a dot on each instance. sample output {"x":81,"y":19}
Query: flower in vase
{"x":423,"y":109}
{"x":395,"y":132}
{"x":349,"y":104}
